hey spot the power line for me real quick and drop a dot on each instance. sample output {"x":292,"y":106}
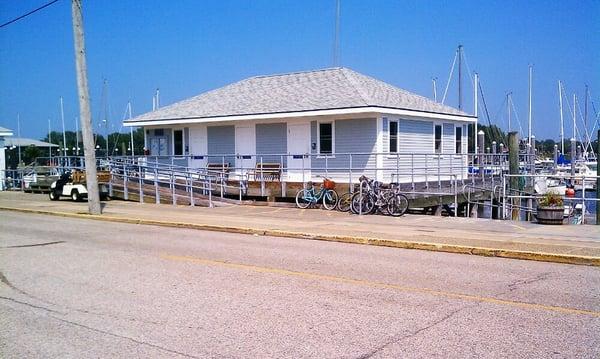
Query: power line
{"x":27,"y":14}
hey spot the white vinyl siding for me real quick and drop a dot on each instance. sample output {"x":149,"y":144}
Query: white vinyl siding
{"x":271,"y":139}
{"x":350,"y":136}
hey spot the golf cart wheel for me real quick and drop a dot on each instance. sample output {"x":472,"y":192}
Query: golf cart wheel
{"x":75,"y":195}
{"x":54,"y":195}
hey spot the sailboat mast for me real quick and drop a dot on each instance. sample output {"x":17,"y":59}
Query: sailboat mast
{"x":562,"y":123}
{"x":434,"y":85}
{"x":131,"y":129}
{"x":585,"y":109}
{"x":49,"y":140}
{"x":106,"y":112}
{"x":460,"y":47}
{"x":62,"y":118}
{"x":530,"y":105}
{"x":19,"y":135}
{"x":508,"y":102}
{"x":476,"y":110}
{"x":574,"y":117}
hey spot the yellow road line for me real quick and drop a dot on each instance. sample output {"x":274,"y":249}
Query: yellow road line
{"x":361,"y":282}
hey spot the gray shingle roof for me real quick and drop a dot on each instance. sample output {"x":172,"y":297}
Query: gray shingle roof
{"x":2,"y":129}
{"x":25,"y":142}
{"x":334,"y":88}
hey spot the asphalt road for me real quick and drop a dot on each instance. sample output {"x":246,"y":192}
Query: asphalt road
{"x":78,"y":288}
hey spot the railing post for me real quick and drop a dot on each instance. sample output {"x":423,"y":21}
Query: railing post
{"x":262,"y":177}
{"x":426,"y":171}
{"x":221,"y":177}
{"x":412,"y":170}
{"x":141,"y":193}
{"x":240,"y":185}
{"x":281,"y":181}
{"x":156,"y":191}
{"x":350,"y":185}
{"x":210,"y":204}
{"x":583,"y":200}
{"x":503,"y":196}
{"x":360,"y":189}
{"x":110,"y":180}
{"x":303,"y":179}
{"x":125,"y":184}
{"x":397,"y":168}
{"x":173,"y":196}
{"x":438,"y":171}
{"x":455,"y":197}
{"x":191,"y":179}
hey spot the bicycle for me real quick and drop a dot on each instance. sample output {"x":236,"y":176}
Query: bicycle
{"x":373,"y":197}
{"x":345,"y":202}
{"x":326,"y":194}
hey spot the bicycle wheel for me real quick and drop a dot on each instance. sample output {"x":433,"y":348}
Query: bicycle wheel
{"x":344,"y":202}
{"x":330,"y":199}
{"x":362,"y":203}
{"x":303,"y":198}
{"x":397,"y":205}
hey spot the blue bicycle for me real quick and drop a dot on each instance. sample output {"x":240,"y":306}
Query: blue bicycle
{"x":326,"y":194}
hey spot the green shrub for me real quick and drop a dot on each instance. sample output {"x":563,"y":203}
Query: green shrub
{"x":551,"y":199}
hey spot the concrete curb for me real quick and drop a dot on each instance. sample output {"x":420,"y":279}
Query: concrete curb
{"x":436,"y":247}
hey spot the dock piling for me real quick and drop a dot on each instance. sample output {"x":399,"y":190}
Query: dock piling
{"x":513,"y":169}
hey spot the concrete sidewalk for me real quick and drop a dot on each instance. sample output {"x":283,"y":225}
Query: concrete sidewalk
{"x":522,"y":240}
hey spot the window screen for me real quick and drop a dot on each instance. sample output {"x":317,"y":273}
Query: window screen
{"x":394,"y":136}
{"x":438,"y":138}
{"x":178,"y":143}
{"x":326,"y":138}
{"x":458,"y":134}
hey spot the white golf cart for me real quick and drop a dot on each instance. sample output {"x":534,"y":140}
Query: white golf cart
{"x":73,"y":185}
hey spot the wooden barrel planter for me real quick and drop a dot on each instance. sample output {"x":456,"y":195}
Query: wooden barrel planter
{"x":550,"y":215}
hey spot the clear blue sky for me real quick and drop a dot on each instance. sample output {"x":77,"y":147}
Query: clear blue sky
{"x":186,"y":47}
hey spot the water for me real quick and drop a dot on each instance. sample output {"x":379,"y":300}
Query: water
{"x":590,"y":206}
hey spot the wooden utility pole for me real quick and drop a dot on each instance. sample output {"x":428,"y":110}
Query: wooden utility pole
{"x":513,"y":169}
{"x":84,"y":110}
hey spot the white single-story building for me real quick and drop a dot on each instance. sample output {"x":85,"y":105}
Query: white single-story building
{"x":332,"y":121}
{"x":4,"y":132}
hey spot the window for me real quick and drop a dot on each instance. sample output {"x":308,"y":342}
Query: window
{"x":394,"y":136}
{"x":458,"y":133}
{"x":159,"y":132}
{"x":178,"y":142}
{"x":325,"y":138}
{"x":438,"y":139}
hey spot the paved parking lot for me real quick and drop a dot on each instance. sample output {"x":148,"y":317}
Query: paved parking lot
{"x":81,"y":288}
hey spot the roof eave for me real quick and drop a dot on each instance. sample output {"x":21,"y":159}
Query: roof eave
{"x":298,"y":114}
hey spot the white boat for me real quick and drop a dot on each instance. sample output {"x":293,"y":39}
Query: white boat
{"x":545,"y":185}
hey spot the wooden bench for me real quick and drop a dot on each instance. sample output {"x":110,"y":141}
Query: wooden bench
{"x":267,"y":172}
{"x":218,"y":169}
